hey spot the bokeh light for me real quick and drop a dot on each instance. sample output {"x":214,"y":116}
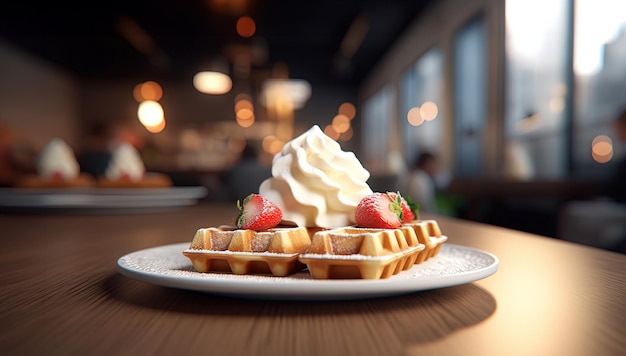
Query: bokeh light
{"x":156,"y":128}
{"x":348,"y":110}
{"x":340,"y":123}
{"x":245,"y":122}
{"x":150,"y":113}
{"x":214,"y":83}
{"x":429,"y":111}
{"x":272,"y":144}
{"x":149,"y":90}
{"x":602,"y":149}
{"x":414,"y":116}
{"x":246,"y":26}
{"x":347,"y":136}
{"x":245,"y":114}
{"x":243,"y":102}
{"x":330,"y":132}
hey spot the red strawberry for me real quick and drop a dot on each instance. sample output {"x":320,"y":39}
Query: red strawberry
{"x":379,"y":210}
{"x":57,"y":176}
{"x":257,"y":213}
{"x":409,"y":209}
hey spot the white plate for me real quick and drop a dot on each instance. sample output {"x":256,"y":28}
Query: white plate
{"x":87,"y":200}
{"x":166,"y":266}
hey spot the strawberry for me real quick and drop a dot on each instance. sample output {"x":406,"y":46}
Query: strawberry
{"x":257,"y":213}
{"x":410,"y":210}
{"x":379,"y":210}
{"x":57,"y":176}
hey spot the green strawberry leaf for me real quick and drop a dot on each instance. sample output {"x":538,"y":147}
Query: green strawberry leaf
{"x":413,"y":206}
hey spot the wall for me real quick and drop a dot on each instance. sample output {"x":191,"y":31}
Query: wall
{"x":38,"y":101}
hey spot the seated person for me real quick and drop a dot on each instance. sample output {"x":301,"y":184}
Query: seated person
{"x":246,"y":176}
{"x":420,"y":182}
{"x":96,"y":153}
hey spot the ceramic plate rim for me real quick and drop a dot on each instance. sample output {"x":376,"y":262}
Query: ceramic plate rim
{"x":297,"y":287}
{"x":85,"y":200}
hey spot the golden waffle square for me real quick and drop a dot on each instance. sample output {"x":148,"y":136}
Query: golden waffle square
{"x":226,"y":249}
{"x":360,"y":253}
{"x":150,"y":180}
{"x":83,"y":180}
{"x":429,"y":234}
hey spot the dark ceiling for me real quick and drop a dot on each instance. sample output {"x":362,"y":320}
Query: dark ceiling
{"x":173,"y":39}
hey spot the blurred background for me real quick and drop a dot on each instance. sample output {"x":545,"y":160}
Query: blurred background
{"x":515,"y":99}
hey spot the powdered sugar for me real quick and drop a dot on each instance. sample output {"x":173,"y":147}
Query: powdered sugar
{"x":167,"y":266}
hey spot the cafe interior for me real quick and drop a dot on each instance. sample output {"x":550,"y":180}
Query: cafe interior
{"x":515,"y":105}
{"x":518,"y":109}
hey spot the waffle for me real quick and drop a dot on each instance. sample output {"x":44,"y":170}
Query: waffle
{"x":34,"y":181}
{"x":150,"y":180}
{"x":428,"y":234}
{"x":226,"y":249}
{"x":353,"y":252}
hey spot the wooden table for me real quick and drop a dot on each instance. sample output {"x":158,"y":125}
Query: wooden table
{"x":62,"y":295}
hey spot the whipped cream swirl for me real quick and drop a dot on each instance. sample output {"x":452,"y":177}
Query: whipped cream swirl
{"x":57,"y":161}
{"x":125,"y":164}
{"x":315,"y":183}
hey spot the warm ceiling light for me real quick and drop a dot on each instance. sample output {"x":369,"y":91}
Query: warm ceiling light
{"x":275,"y":146}
{"x":150,"y":113}
{"x":157,"y":128}
{"x":429,"y":111}
{"x":602,"y":149}
{"x":244,"y":110}
{"x":137,"y":94}
{"x":272,"y":144}
{"x":277,"y":91}
{"x":347,"y":136}
{"x":341,"y":123}
{"x":149,"y":90}
{"x":414,"y":116}
{"x":348,"y":110}
{"x":243,"y":104}
{"x":246,"y":26}
{"x":214,"y":83}
{"x":267,"y":142}
{"x":245,"y":122}
{"x":601,"y":138}
{"x":330,"y":132}
{"x":245,"y":114}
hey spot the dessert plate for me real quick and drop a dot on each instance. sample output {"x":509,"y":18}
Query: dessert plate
{"x":166,"y":266}
{"x":89,"y":200}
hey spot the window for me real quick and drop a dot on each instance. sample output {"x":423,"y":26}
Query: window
{"x":536,"y":46}
{"x":470,"y":97}
{"x":421,"y":105}
{"x":600,"y":82}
